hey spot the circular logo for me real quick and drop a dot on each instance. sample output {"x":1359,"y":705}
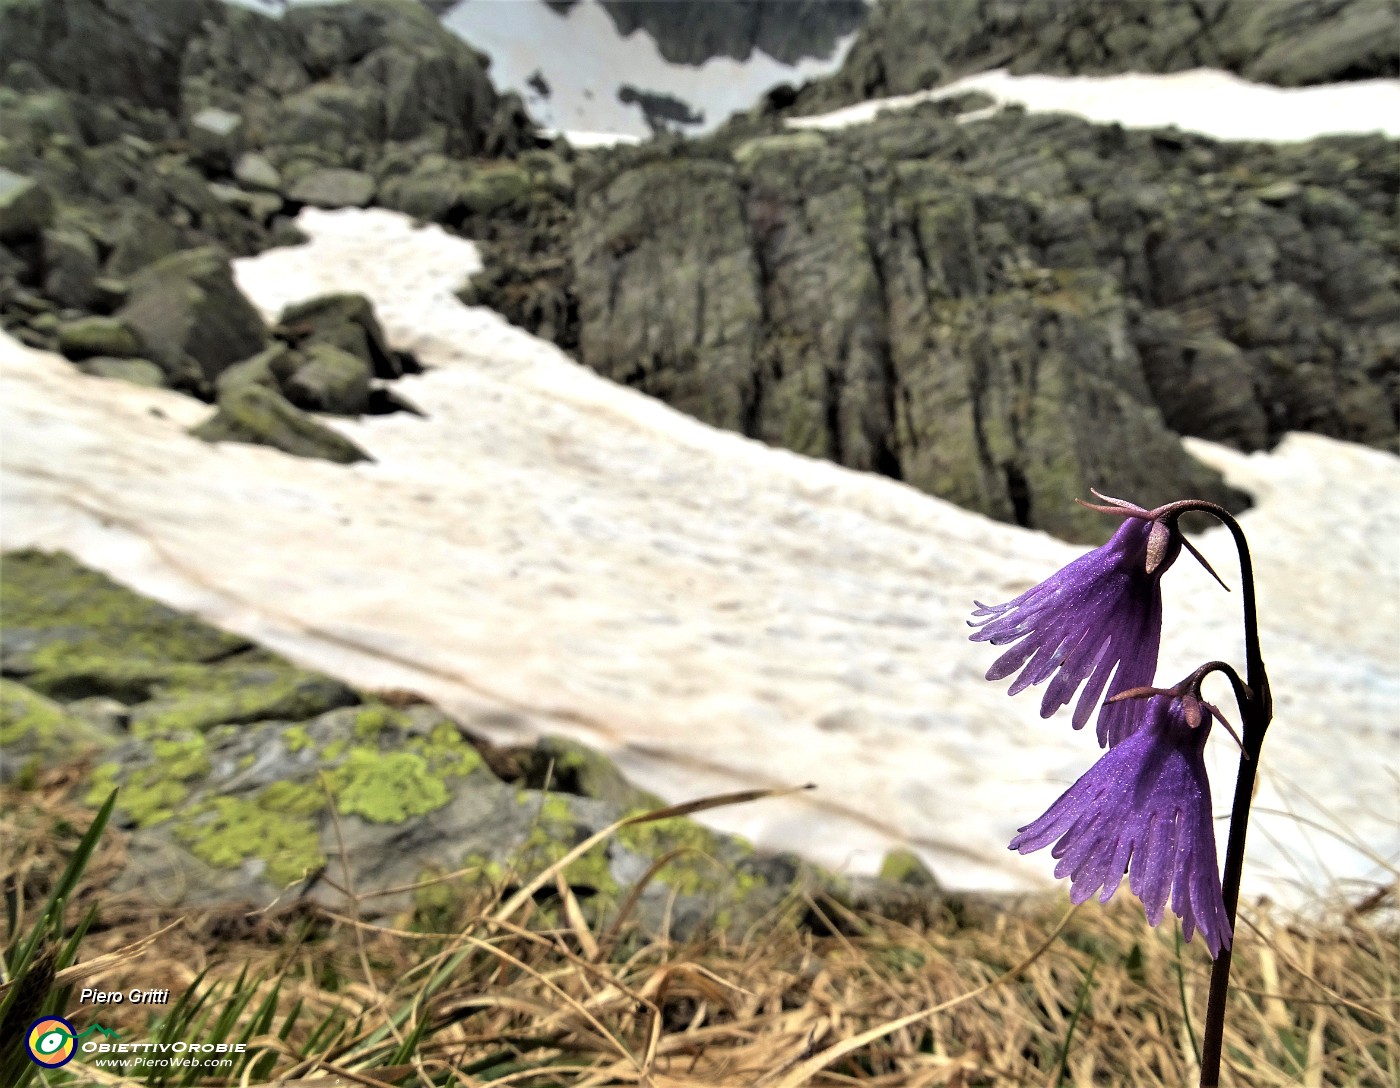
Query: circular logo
{"x":50,"y":1042}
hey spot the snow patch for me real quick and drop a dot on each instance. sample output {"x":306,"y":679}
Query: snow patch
{"x":1205,"y":101}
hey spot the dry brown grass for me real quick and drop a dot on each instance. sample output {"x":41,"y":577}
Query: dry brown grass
{"x":1039,"y":995}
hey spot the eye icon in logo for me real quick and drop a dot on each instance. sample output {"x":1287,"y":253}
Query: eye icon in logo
{"x":50,"y":1042}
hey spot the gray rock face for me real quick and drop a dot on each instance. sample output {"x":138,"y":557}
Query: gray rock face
{"x":127,"y":49}
{"x":1002,"y":314}
{"x":668,"y":289}
{"x":192,"y":318}
{"x":909,"y":45}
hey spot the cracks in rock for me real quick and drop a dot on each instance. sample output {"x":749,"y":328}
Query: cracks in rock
{"x":885,"y":452}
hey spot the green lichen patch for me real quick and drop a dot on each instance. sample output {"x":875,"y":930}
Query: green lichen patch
{"x":386,"y":787}
{"x":272,"y":826}
{"x":56,"y":610}
{"x":154,"y":791}
{"x":447,"y":753}
{"x":554,"y":832}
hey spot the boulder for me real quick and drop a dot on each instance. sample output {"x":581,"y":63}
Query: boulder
{"x":25,"y":206}
{"x":429,"y":194}
{"x":216,"y":138}
{"x":86,"y":337}
{"x":903,"y":866}
{"x":345,"y":321}
{"x":191,"y":317}
{"x":333,"y":187}
{"x":254,"y":171}
{"x":260,"y":416}
{"x":493,"y":189}
{"x":71,"y":267}
{"x":329,"y":380}
{"x":126,"y":50}
{"x":136,"y":371}
{"x":563,"y":765}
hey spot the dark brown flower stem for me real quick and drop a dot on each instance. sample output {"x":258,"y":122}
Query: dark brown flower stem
{"x":1256,"y":711}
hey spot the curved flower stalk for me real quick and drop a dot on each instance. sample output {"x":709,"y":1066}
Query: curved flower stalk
{"x":1097,"y":623}
{"x":1144,"y":811}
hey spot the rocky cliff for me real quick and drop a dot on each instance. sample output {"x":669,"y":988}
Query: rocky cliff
{"x":1001,"y":314}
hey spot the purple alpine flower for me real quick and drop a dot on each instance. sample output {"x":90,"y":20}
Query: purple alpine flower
{"x":1144,"y":810}
{"x":1101,"y":613}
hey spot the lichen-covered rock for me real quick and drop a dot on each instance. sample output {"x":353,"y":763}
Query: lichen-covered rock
{"x":268,"y":369}
{"x":903,"y":866}
{"x":192,"y":318}
{"x":495,"y":188}
{"x":254,"y":414}
{"x":562,"y":765}
{"x":242,"y":778}
{"x":329,"y":380}
{"x":85,"y":337}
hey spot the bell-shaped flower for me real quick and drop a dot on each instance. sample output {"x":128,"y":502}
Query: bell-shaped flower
{"x":1144,"y":810}
{"x":1096,"y":623}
